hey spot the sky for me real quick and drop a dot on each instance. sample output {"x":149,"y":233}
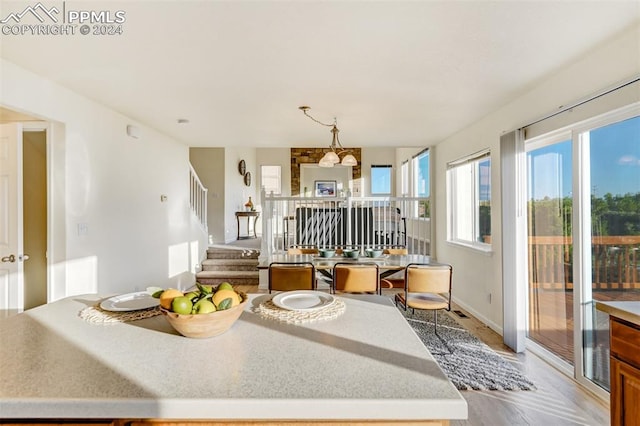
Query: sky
{"x":615,"y":163}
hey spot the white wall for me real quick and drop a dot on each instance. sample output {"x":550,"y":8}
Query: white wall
{"x":310,"y":173}
{"x":111,"y":184}
{"x":477,"y":275}
{"x":209,"y":165}
{"x":236,"y":193}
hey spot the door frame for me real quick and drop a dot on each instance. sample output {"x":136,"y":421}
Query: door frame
{"x":581,"y":236}
{"x":43,"y":126}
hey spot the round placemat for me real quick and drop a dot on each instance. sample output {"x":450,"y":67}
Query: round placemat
{"x":96,"y":315}
{"x":270,"y":311}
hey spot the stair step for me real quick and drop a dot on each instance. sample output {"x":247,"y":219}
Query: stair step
{"x":229,"y":274}
{"x":233,"y":277}
{"x":229,"y":264}
{"x":215,"y":253}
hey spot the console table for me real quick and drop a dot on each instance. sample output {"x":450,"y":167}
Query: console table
{"x":248,"y":215}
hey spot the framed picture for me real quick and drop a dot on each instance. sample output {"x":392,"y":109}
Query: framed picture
{"x":325,"y":188}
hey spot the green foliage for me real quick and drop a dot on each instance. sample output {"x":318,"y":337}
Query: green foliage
{"x":610,"y":215}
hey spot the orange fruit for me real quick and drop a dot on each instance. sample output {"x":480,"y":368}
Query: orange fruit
{"x":167,"y":297}
{"x":220,"y":295}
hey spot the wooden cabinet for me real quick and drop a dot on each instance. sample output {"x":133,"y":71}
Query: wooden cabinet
{"x":625,"y":373}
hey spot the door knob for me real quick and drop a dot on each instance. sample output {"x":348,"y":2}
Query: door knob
{"x":11,"y":258}
{"x":23,"y":257}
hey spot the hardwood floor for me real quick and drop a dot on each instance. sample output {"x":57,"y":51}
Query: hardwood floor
{"x":558,"y":401}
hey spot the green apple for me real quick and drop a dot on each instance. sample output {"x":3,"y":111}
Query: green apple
{"x":192,"y":295}
{"x":225,"y":286}
{"x":204,"y":306}
{"x":181,"y":305}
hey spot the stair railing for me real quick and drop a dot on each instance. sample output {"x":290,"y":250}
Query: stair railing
{"x":345,"y":221}
{"x":197,"y":197}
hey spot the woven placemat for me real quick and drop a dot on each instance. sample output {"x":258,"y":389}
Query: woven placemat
{"x":270,"y":311}
{"x":96,"y":315}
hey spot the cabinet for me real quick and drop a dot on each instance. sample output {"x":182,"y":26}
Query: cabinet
{"x":625,"y":372}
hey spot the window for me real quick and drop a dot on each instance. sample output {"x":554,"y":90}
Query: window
{"x":404,"y":176}
{"x":381,"y":180}
{"x":421,"y":182}
{"x":469,"y":200}
{"x":271,"y":179}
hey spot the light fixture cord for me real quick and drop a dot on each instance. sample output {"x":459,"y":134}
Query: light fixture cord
{"x":336,"y":138}
{"x":318,"y":121}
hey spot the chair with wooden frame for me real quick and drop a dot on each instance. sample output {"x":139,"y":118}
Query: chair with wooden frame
{"x":395,"y":280}
{"x":424,"y":286}
{"x":361,"y":277}
{"x":287,"y":276}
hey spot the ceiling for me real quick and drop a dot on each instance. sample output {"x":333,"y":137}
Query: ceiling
{"x":392,"y":73}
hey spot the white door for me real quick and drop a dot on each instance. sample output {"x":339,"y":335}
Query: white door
{"x":11,"y":256}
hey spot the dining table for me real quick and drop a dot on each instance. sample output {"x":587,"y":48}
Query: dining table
{"x":388,"y":264}
{"x":362,"y":364}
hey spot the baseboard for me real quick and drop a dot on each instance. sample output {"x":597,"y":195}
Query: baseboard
{"x":492,"y":325}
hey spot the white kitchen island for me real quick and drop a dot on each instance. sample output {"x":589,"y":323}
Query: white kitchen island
{"x":366,"y":365}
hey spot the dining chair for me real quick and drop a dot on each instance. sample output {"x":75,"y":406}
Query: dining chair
{"x":362,"y":277}
{"x":395,"y":280}
{"x":424,"y":288}
{"x":287,"y":276}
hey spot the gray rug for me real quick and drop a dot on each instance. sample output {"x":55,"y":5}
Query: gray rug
{"x":468,"y":362}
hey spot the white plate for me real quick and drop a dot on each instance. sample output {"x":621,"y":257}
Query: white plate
{"x":302,"y":300}
{"x":129,"y":302}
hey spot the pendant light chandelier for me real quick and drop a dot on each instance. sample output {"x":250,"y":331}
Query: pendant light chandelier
{"x":332,"y":157}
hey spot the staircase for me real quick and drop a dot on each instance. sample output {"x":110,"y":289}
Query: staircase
{"x":237,"y":266}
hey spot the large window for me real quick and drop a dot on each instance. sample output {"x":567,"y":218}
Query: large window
{"x":421,"y":182}
{"x":381,"y":179}
{"x":404,"y":177}
{"x":469,"y":201}
{"x":271,"y":179}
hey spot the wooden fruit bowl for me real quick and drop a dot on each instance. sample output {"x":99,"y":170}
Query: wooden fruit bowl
{"x":201,"y":326}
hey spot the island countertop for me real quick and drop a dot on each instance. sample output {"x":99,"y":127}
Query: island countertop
{"x":626,"y":310}
{"x":366,"y":364}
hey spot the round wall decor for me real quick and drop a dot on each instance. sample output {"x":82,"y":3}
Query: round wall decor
{"x":242,"y":167}
{"x":247,"y":179}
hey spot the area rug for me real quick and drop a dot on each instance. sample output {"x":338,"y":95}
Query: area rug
{"x":468,"y":362}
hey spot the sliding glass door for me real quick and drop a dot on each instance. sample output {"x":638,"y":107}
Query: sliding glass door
{"x":549,"y":207}
{"x":583,"y":231}
{"x":613,"y":165}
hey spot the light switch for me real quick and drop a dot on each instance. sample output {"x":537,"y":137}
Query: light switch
{"x":83,"y":229}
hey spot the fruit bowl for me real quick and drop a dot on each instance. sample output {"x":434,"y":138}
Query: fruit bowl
{"x":201,"y":326}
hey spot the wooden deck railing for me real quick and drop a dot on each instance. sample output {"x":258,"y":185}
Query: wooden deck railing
{"x":615,"y":262}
